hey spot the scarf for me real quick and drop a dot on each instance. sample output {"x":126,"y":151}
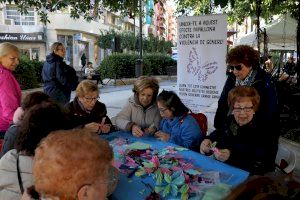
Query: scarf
{"x":248,"y":81}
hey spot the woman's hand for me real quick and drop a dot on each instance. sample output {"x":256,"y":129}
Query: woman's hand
{"x":104,"y":128}
{"x":151,"y":130}
{"x":137,"y":131}
{"x":222,"y":154}
{"x":205,"y":146}
{"x":162,"y":136}
{"x":92,"y":127}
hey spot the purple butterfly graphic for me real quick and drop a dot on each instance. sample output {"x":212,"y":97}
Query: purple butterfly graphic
{"x":194,"y":67}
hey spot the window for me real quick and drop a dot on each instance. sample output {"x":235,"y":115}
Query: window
{"x":19,"y":19}
{"x":31,"y":53}
{"x":67,"y":40}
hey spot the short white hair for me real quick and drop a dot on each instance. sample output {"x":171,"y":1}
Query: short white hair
{"x":7,"y":47}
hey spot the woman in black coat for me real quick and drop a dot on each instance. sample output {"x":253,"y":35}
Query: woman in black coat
{"x":245,"y":70}
{"x":245,"y":142}
{"x":86,"y":111}
{"x":59,"y":78}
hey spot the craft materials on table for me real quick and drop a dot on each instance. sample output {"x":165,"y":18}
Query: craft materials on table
{"x":173,"y":175}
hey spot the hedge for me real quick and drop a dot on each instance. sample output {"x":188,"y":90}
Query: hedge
{"x":122,"y":65}
{"x":28,"y":73}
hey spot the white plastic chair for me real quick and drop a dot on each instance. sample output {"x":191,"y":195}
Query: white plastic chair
{"x":287,"y":155}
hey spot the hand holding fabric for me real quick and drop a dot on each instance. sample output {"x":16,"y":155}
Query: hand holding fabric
{"x":222,"y":154}
{"x":151,"y":130}
{"x":162,"y":136}
{"x":92,"y":127}
{"x":137,"y":131}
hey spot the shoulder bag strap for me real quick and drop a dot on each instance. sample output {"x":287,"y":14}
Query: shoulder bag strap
{"x":19,"y":176}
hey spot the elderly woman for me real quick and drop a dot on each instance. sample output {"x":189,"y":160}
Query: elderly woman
{"x":58,"y":77}
{"x":86,"y":111}
{"x":177,"y":126}
{"x":244,"y":64}
{"x":10,"y":91}
{"x":141,"y":115}
{"x":81,"y":164}
{"x":245,"y":142}
{"x":16,"y":164}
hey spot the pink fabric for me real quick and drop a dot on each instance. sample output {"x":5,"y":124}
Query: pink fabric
{"x":10,"y":97}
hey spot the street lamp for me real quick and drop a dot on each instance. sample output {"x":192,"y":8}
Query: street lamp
{"x":139,"y":62}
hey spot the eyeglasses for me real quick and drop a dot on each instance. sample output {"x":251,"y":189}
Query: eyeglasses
{"x":162,"y":110}
{"x":237,"y":67}
{"x":245,"y":109}
{"x":61,"y":49}
{"x":110,"y":181}
{"x":90,"y":99}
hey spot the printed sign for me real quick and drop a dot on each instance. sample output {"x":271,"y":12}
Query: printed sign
{"x":30,"y":37}
{"x":201,"y":63}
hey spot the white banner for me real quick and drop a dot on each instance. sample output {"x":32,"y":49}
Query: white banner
{"x":201,"y":67}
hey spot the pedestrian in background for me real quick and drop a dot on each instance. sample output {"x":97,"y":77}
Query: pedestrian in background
{"x":269,"y":65}
{"x":59,"y":78}
{"x":91,"y":74}
{"x":10,"y":91}
{"x":83,"y":61}
{"x":140,"y":115}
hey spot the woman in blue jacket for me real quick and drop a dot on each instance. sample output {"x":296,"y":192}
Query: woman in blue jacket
{"x":177,"y":126}
{"x":58,"y":77}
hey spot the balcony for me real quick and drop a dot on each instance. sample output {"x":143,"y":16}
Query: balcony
{"x":64,"y":22}
{"x":5,"y":28}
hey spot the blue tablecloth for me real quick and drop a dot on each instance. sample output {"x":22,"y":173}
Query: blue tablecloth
{"x":133,"y":189}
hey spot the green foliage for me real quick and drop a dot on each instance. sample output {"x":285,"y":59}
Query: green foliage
{"x":154,"y":44}
{"x":86,"y":8}
{"x":106,"y":39}
{"x":120,"y":64}
{"x":131,"y":42}
{"x":238,"y":10}
{"x":156,"y":63}
{"x":128,"y":40}
{"x":123,"y":65}
{"x":28,"y":73}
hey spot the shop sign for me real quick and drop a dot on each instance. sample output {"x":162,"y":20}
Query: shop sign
{"x":25,"y":37}
{"x":78,"y":36}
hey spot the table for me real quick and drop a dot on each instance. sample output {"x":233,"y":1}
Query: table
{"x":131,"y":188}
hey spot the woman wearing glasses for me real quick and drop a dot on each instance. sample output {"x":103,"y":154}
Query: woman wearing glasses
{"x":245,"y":142}
{"x":245,"y":71}
{"x":177,"y":126}
{"x":58,"y":77}
{"x":86,"y":111}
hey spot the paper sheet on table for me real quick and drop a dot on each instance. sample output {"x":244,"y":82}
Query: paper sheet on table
{"x":139,"y":146}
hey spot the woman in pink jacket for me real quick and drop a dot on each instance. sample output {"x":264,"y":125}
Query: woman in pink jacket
{"x":10,"y":91}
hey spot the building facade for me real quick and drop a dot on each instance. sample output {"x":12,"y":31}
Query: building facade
{"x":79,"y":36}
